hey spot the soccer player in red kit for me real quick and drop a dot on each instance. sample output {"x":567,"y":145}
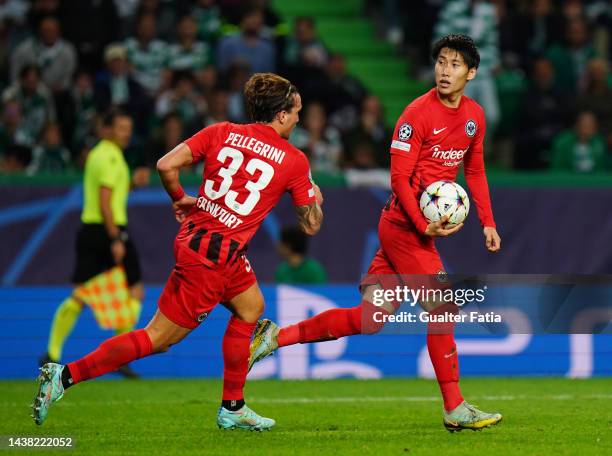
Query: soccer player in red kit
{"x":435,"y":134}
{"x":247,"y":168}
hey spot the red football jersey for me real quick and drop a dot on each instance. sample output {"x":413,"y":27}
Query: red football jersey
{"x":429,"y":144}
{"x":247,"y":168}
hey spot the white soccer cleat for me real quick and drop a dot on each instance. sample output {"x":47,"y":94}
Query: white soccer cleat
{"x":50,"y":390}
{"x":245,"y":418}
{"x":265,"y":341}
{"x":466,"y":416}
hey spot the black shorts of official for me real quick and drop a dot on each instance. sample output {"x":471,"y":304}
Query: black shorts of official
{"x":93,"y":255}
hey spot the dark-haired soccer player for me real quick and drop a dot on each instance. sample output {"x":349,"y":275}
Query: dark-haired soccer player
{"x":247,"y":168}
{"x":435,"y":134}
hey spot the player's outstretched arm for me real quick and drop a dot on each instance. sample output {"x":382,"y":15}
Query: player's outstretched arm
{"x":310,"y":218}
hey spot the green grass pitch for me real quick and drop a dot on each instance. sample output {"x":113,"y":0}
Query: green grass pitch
{"x":395,"y":416}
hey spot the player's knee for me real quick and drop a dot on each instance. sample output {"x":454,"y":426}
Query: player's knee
{"x":252,"y":315}
{"x":252,"y":312}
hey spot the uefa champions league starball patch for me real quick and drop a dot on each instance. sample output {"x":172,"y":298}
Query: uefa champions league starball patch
{"x":470,"y":128}
{"x":442,"y":276}
{"x":405,"y":132}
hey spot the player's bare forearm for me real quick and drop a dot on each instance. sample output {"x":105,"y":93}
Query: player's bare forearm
{"x":169,"y":165}
{"x":107,"y":213}
{"x":310,"y":218}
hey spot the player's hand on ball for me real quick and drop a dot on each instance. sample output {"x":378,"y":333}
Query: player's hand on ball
{"x":442,"y":228}
{"x":492,"y":239}
{"x":183,"y":206}
{"x":318,"y":194}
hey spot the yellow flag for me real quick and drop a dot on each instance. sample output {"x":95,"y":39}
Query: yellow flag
{"x":108,"y":296}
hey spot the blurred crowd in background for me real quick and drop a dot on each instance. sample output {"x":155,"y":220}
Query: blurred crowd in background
{"x":177,"y":66}
{"x":544,"y":79}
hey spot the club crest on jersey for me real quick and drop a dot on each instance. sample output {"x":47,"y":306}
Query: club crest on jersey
{"x":405,"y":132}
{"x":470,"y":128}
{"x":442,"y":276}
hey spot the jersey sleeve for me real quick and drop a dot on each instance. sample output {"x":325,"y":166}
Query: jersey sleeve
{"x":200,"y":143}
{"x":107,"y":171}
{"x":300,"y":184}
{"x":405,"y":146}
{"x":476,"y":178}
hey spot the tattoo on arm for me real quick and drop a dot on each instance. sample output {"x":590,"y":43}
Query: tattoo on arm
{"x":310,"y":218}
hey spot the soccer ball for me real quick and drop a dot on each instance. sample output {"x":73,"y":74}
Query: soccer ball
{"x":445,"y":198}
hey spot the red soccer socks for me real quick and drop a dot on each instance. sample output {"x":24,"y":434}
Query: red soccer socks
{"x":329,"y":325}
{"x":111,"y":355}
{"x":236,"y":343}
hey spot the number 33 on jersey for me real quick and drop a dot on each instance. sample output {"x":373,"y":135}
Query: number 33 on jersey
{"x":247,"y":168}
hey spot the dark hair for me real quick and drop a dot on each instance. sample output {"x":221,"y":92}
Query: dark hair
{"x":266,"y":94}
{"x":109,"y":118}
{"x":250,"y":10}
{"x":22,"y":154}
{"x":26,"y":69}
{"x":182,"y":75}
{"x":171,"y":116}
{"x":81,"y":71}
{"x":145,"y":15}
{"x":46,"y":17}
{"x":305,"y":19}
{"x":463,"y":44}
{"x":186,"y":17}
{"x":295,"y":239}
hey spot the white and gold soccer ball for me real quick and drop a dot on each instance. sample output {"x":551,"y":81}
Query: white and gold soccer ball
{"x":445,"y":198}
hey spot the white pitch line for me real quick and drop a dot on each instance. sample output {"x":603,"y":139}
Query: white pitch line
{"x":321,"y":400}
{"x":316,"y":400}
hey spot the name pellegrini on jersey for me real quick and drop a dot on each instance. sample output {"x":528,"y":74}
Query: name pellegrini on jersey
{"x":259,"y":147}
{"x":218,"y":212}
{"x":450,"y":154}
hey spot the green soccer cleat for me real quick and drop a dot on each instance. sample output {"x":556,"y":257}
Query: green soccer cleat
{"x":245,"y":418}
{"x":466,"y":416}
{"x":264,"y":341}
{"x":50,"y":390}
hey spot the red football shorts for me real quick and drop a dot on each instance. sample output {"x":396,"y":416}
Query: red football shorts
{"x":193,"y":290}
{"x":402,"y":252}
{"x":405,"y":259}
